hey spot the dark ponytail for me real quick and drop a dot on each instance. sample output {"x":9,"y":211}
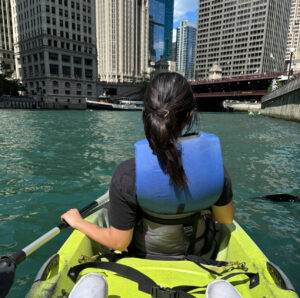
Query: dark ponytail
{"x":168,"y":104}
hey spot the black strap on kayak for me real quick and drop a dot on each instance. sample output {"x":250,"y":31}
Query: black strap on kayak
{"x":201,"y":261}
{"x":113,"y":257}
{"x":253,"y":282}
{"x":145,"y":283}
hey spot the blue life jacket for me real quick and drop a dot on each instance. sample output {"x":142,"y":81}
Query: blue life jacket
{"x":203,"y":165}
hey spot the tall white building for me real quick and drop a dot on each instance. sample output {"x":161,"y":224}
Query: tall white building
{"x":122,"y":39}
{"x":293,"y":41}
{"x":55,"y":48}
{"x":185,"y":49}
{"x":241,"y":36}
{"x":6,"y":36}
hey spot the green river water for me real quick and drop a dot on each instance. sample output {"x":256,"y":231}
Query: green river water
{"x":51,"y":161}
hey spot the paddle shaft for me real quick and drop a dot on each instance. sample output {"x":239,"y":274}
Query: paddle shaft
{"x":21,"y":255}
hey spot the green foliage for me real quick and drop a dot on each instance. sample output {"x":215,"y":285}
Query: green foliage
{"x":8,"y":85}
{"x":145,"y":81}
{"x":5,"y":69}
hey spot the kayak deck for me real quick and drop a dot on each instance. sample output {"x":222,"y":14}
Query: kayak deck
{"x":235,"y":246}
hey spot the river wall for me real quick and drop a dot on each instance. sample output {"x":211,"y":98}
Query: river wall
{"x":283,"y":103}
{"x":10,"y":102}
{"x":115,"y":90}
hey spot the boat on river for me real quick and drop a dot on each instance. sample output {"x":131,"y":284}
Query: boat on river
{"x":123,"y":104}
{"x":237,"y":259}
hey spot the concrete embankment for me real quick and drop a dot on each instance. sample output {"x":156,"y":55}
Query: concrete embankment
{"x":8,"y":102}
{"x":283,"y":103}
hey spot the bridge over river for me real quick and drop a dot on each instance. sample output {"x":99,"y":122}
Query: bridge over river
{"x":210,"y":94}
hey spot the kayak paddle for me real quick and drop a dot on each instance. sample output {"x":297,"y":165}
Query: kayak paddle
{"x":8,"y":263}
{"x":279,"y":197}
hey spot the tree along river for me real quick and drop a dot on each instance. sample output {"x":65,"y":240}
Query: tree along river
{"x":51,"y":161}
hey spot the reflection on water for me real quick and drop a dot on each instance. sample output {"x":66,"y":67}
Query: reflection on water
{"x":54,"y":160}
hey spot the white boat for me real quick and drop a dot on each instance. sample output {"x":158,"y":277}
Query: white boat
{"x":122,"y":104}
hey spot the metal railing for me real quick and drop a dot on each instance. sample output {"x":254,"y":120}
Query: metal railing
{"x":289,"y":87}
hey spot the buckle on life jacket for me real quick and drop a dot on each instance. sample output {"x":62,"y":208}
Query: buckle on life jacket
{"x":163,"y":292}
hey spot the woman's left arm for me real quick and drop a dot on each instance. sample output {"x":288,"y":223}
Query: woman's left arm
{"x":109,"y":237}
{"x":223,"y":214}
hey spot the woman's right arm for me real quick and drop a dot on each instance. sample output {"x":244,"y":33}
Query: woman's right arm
{"x":223,"y":214}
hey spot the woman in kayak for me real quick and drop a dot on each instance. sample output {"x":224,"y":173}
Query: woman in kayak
{"x":157,"y":198}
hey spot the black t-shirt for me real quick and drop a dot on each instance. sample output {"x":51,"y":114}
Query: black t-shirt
{"x":123,"y":206}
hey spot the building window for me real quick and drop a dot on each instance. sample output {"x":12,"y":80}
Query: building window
{"x":67,"y":84}
{"x":65,"y":58}
{"x":53,"y":56}
{"x":66,"y":71}
{"x":88,"y":62}
{"x":77,"y":60}
{"x":89,"y":73}
{"x":54,"y":69}
{"x":78,"y":72}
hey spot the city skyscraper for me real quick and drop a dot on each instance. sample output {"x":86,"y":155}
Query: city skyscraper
{"x":161,"y":14}
{"x":185,"y":49}
{"x":55,"y":48}
{"x":122,"y":40}
{"x":6,"y":36}
{"x":293,"y":41}
{"x":243,"y":37}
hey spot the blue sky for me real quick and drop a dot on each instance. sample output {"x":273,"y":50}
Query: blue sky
{"x":184,"y":10}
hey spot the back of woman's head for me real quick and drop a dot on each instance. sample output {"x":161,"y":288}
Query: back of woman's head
{"x":168,"y":108}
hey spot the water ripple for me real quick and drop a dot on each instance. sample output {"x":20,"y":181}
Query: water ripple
{"x":51,"y":161}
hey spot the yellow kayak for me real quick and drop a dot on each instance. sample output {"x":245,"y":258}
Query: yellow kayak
{"x":240,"y":262}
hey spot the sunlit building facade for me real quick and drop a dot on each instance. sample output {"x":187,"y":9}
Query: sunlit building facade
{"x":293,"y":41}
{"x":241,"y":36}
{"x":161,"y":14}
{"x":122,"y":40}
{"x":6,"y":37}
{"x":55,"y":49}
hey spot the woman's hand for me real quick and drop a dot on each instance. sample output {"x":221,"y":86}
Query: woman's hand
{"x":72,"y":217}
{"x":110,"y":237}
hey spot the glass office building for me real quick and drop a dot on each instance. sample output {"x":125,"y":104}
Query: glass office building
{"x":185,"y":48}
{"x":160,"y":29}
